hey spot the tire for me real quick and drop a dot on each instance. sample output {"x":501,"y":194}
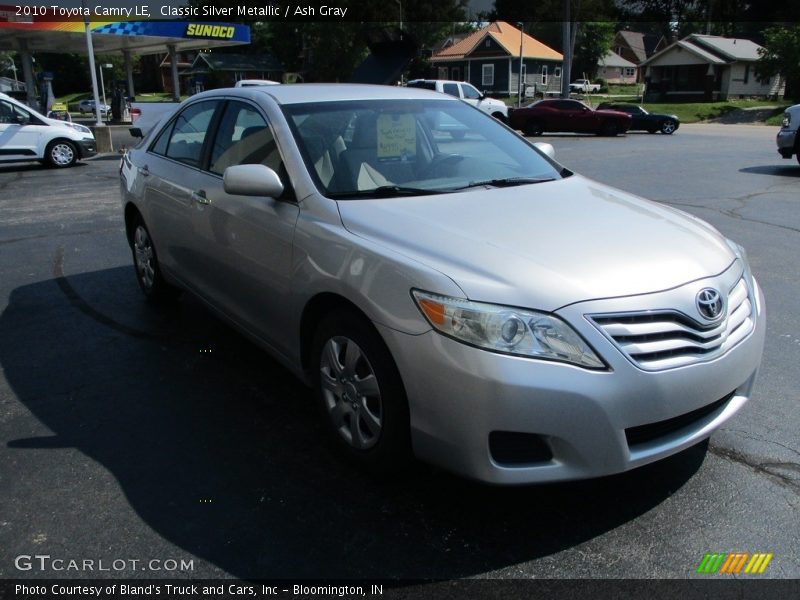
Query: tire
{"x":146,"y":267}
{"x":61,"y":154}
{"x":652,"y":130}
{"x":360,"y":394}
{"x":668,"y":127}
{"x":500,"y":117}
{"x":609,"y":129}
{"x":533,"y":128}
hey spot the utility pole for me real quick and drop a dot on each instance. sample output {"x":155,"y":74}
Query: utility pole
{"x":521,"y":90}
{"x":566,"y":41}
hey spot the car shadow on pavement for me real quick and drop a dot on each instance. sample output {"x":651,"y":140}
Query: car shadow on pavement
{"x":787,"y":170}
{"x":21,"y":167}
{"x":217,"y":449}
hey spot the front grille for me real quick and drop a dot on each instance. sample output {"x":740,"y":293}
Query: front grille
{"x":652,"y":431}
{"x":656,"y":340}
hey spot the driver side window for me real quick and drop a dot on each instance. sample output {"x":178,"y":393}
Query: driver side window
{"x":12,"y":114}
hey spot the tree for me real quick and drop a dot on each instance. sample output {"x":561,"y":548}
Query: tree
{"x":780,"y":55}
{"x":594,"y":25}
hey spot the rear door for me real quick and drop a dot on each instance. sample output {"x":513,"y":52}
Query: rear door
{"x":172,"y":172}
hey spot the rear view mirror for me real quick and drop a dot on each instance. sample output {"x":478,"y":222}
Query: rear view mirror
{"x":252,"y":180}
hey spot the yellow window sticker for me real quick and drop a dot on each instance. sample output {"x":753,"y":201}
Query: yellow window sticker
{"x":397,"y":137}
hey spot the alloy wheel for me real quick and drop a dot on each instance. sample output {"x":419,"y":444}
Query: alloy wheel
{"x":351,"y":393}
{"x":145,"y":257}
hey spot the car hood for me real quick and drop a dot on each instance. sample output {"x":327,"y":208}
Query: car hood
{"x":545,"y":245}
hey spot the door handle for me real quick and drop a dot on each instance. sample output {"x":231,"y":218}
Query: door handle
{"x":200,"y":197}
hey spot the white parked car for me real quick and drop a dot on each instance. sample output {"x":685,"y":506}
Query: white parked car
{"x":87,"y":106}
{"x":255,"y":82}
{"x":466,"y":92}
{"x":27,"y":135}
{"x":788,"y":141}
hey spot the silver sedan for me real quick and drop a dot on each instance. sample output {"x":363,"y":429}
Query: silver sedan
{"x":459,"y":298}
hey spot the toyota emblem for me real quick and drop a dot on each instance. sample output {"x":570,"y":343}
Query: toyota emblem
{"x":709,"y":303}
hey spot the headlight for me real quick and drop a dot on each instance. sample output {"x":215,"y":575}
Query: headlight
{"x":787,"y":119}
{"x":741,"y":254}
{"x":81,"y":128}
{"x":506,"y":329}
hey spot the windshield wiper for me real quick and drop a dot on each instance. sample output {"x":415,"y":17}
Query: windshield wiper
{"x":385,"y":191}
{"x":506,"y":182}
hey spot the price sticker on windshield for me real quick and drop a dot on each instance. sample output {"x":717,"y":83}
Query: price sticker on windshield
{"x":397,"y":137}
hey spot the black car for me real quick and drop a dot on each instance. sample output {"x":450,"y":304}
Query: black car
{"x":645,"y":121}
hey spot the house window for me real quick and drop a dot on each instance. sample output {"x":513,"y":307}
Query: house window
{"x":630,"y":71}
{"x":487,"y":75}
{"x":455,"y":73}
{"x":746,"y":73}
{"x":557,"y":72}
{"x":544,"y":75}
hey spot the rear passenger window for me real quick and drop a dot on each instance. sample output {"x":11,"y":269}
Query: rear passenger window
{"x":451,"y":88}
{"x":189,"y":133}
{"x":243,"y":138}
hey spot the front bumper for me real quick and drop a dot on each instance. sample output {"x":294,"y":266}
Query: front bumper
{"x":786,"y":142}
{"x":87,"y":148}
{"x":458,"y":395}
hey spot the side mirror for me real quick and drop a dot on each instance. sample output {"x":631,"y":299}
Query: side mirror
{"x":20,"y":120}
{"x":546,"y":149}
{"x":252,"y":180}
{"x":136,"y":132}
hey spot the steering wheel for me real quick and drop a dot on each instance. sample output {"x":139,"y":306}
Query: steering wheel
{"x":441,"y":161}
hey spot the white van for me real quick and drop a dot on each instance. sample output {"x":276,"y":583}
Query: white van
{"x":27,"y":135}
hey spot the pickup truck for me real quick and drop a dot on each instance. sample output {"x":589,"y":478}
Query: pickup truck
{"x":585,"y":86}
{"x":467,"y":93}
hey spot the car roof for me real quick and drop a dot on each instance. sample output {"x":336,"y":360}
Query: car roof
{"x":298,"y":93}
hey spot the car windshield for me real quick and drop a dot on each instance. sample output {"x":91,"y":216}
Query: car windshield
{"x":380,"y":148}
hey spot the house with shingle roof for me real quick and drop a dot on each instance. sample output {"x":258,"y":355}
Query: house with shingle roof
{"x":636,"y":46}
{"x":615,"y":69}
{"x":489,"y":59}
{"x":707,"y":67}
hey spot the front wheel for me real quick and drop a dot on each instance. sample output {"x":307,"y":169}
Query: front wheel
{"x":609,"y":129}
{"x":361,"y":395}
{"x":61,"y":154}
{"x":533,"y":128}
{"x":668,"y":127}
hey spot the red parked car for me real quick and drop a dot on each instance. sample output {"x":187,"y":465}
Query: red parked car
{"x":567,"y":115}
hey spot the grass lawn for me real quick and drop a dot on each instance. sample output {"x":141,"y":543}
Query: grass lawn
{"x":692,"y":112}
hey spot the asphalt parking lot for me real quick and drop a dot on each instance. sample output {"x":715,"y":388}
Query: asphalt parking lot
{"x":137,"y":435}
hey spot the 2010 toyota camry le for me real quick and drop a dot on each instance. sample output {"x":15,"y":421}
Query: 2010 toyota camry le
{"x":450,"y":291}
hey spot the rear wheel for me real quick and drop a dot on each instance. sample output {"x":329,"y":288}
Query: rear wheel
{"x":61,"y":154}
{"x":668,"y":127}
{"x":145,"y":261}
{"x":533,"y":128}
{"x":361,"y":396}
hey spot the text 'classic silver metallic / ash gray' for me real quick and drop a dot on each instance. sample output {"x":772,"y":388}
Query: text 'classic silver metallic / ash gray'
{"x":449,"y":289}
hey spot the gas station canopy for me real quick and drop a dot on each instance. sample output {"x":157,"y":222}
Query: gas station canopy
{"x":138,"y":37}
